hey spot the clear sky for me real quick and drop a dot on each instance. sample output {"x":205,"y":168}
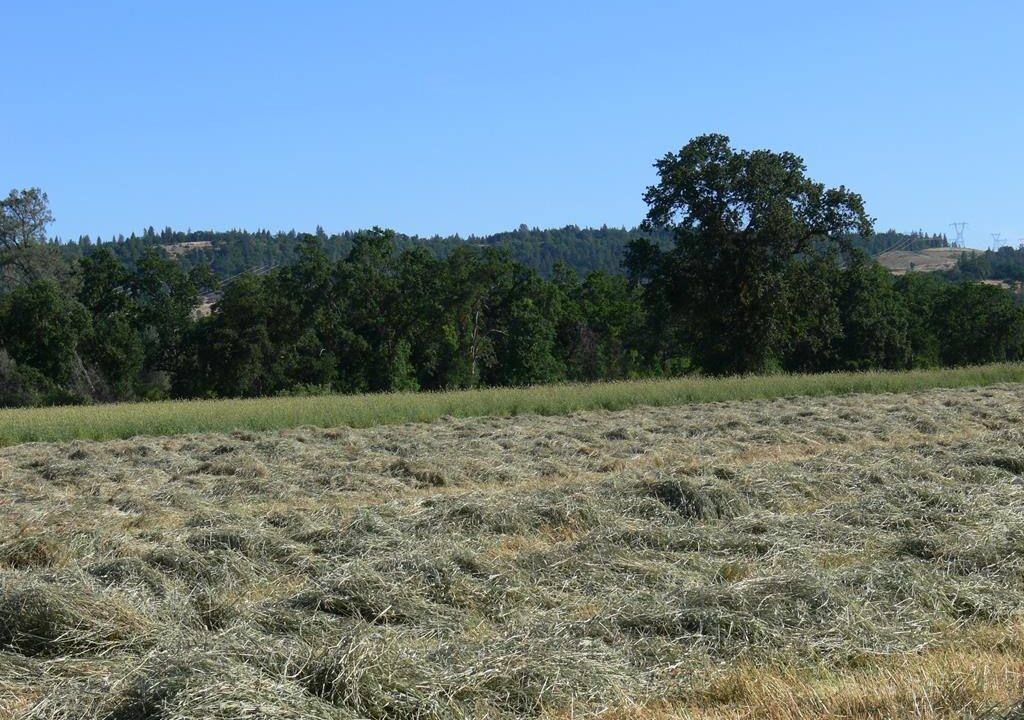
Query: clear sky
{"x":474,"y":117}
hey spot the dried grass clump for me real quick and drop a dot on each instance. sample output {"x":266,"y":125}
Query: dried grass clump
{"x":702,"y":501}
{"x":379,"y":677}
{"x":128,"y":572}
{"x":359,"y":591}
{"x":30,"y":549}
{"x":178,"y":561}
{"x":395,"y":673}
{"x":39,"y":618}
{"x":246,"y":542}
{"x":198,"y":686}
{"x":531,"y":673}
{"x":759,"y":614}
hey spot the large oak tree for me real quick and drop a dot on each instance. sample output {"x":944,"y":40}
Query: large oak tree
{"x":740,"y":219}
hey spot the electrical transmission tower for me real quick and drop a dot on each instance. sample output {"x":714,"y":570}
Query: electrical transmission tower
{"x":996,"y":237}
{"x":959,"y":228}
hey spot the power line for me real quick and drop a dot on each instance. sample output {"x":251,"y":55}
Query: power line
{"x":959,"y":228}
{"x":897,"y":246}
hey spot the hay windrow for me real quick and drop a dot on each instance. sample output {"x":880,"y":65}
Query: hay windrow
{"x":658,"y":562}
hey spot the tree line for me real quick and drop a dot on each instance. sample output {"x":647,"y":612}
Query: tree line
{"x":230,"y":253}
{"x":584,"y":250}
{"x":1005,"y":263}
{"x":743,"y":264}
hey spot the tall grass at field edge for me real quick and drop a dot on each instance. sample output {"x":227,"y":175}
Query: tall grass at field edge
{"x":104,"y":422}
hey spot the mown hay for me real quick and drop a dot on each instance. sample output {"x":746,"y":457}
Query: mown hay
{"x":42,"y":618}
{"x":701,"y":501}
{"x":608,"y":564}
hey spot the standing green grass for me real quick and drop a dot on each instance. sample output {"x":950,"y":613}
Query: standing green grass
{"x":102,"y":422}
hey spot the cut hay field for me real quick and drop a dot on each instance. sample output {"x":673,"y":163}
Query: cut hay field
{"x":853,"y":556}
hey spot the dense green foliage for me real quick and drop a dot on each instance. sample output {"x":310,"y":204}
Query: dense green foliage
{"x":744,"y":223}
{"x":763,"y":276}
{"x":378,"y":321}
{"x":1006,"y":263}
{"x":384,"y":321}
{"x":743,"y":265}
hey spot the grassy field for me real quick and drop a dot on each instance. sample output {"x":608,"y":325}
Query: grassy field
{"x":102,"y":422}
{"x":855,"y":556}
{"x":900,"y":262}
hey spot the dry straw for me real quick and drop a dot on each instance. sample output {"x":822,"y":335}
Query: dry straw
{"x":857,"y":556}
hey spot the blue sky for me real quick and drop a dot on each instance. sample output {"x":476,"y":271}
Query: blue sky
{"x":474,"y":117}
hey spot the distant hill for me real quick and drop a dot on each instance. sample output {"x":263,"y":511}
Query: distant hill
{"x":930,"y":259}
{"x":585,"y":250}
{"x":1004,"y":266}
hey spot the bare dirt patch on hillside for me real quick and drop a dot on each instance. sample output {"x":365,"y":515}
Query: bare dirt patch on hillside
{"x":860,"y":556}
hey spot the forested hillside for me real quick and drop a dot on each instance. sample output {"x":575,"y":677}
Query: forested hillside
{"x":584,"y":250}
{"x":892,"y":240}
{"x":232,"y":252}
{"x":1005,"y":264}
